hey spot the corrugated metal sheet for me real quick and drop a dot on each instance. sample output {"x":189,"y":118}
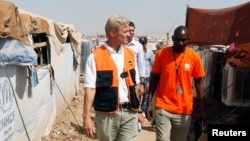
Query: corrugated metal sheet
{"x":86,"y":48}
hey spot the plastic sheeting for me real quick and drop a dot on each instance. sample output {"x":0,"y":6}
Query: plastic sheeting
{"x":14,"y":52}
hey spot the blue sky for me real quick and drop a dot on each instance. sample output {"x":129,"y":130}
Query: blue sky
{"x":151,"y":17}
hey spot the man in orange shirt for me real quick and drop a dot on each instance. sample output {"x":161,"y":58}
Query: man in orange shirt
{"x":171,"y":79}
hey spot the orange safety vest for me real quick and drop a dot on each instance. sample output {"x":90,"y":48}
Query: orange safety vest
{"x":107,"y":81}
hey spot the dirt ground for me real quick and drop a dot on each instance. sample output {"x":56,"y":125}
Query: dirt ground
{"x":68,"y":125}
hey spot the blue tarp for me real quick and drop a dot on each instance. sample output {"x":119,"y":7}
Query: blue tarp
{"x":14,"y":52}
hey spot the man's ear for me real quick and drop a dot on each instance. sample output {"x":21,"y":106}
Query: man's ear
{"x":112,"y":33}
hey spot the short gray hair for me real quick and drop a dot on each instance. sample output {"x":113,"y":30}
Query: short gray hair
{"x":114,"y":22}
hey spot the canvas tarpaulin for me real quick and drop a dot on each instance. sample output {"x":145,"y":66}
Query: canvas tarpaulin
{"x":17,"y":24}
{"x":7,"y":19}
{"x":56,"y":32}
{"x":9,"y":24}
{"x":219,"y":26}
{"x":34,"y":24}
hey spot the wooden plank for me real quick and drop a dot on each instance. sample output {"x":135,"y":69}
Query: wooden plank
{"x":41,"y":44}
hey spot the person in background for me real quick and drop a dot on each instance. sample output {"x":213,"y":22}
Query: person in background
{"x":161,"y":45}
{"x":138,"y":50}
{"x":111,"y":75}
{"x":149,"y":60}
{"x":171,"y":81}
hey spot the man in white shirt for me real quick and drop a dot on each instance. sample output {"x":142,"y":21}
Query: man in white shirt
{"x":111,"y":75}
{"x":138,"y":49}
{"x":149,"y":60}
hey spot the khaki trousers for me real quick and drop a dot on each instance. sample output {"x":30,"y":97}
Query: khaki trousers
{"x":170,"y":126}
{"x":120,"y":126}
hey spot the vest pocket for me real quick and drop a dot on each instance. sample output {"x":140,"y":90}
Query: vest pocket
{"x":104,"y":78}
{"x":106,"y":99}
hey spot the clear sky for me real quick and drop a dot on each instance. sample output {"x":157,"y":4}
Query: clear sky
{"x":151,"y":17}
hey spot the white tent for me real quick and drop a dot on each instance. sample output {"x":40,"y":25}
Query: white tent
{"x":39,"y":72}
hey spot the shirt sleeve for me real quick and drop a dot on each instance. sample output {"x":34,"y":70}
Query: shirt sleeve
{"x":137,"y":76}
{"x":156,"y":66}
{"x":90,"y":72}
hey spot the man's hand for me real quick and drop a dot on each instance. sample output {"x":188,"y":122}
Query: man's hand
{"x":140,"y":118}
{"x":149,"y":111}
{"x":89,"y":127}
{"x":141,"y":90}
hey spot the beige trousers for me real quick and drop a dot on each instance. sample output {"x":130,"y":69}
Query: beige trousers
{"x":170,"y":126}
{"x":120,"y":126}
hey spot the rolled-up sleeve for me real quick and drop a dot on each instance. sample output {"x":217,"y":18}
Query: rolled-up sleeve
{"x":90,"y":72}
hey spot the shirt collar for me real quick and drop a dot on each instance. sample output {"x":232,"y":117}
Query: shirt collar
{"x":111,"y":50}
{"x":131,"y":43}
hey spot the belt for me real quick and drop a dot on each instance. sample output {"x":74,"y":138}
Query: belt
{"x":124,"y":105}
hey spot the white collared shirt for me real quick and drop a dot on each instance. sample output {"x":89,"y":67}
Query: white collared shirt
{"x":138,"y":49}
{"x":118,"y":58}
